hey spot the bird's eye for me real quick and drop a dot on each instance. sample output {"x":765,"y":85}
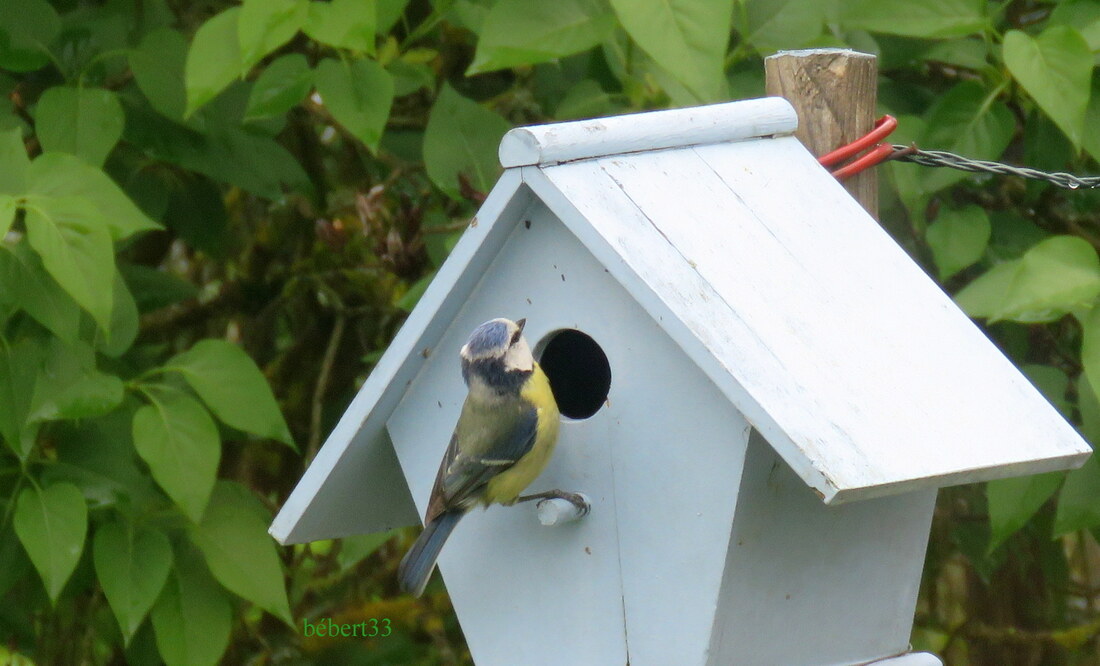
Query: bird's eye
{"x":515,"y":337}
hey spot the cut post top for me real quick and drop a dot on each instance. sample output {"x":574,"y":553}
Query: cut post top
{"x":653,"y":130}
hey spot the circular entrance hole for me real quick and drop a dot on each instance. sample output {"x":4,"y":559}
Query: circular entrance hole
{"x":579,"y":373}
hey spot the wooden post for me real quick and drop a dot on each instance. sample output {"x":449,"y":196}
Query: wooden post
{"x":834,"y":92}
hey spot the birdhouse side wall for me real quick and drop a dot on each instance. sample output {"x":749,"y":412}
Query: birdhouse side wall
{"x":637,"y":579}
{"x":808,"y":583}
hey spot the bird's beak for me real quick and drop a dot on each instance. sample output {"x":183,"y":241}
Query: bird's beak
{"x":521,"y":323}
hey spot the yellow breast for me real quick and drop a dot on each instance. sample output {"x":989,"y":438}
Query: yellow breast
{"x":507,"y":486}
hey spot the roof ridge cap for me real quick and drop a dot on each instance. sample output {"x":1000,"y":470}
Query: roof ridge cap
{"x":652,"y":130}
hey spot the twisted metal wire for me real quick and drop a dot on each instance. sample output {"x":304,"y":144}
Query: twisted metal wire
{"x":940,"y":158}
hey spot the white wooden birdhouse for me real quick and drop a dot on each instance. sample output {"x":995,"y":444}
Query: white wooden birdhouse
{"x":761,"y":393}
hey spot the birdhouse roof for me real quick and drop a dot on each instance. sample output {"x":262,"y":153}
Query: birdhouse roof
{"x":856,"y":367}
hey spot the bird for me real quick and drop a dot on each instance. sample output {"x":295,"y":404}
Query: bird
{"x":505,"y":435}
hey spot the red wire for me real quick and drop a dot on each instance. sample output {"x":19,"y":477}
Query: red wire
{"x":866,"y":161}
{"x":883,"y":127}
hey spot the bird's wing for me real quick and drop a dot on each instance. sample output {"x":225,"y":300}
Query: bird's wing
{"x":493,"y":445}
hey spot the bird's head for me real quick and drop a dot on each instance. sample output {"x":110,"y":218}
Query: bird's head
{"x":497,"y":354}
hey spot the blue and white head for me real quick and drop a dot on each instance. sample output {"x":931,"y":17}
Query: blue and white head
{"x":497,"y":355}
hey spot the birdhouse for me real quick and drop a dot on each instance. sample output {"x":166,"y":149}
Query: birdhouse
{"x":760,"y":394}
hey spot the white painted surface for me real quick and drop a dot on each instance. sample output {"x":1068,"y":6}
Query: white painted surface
{"x":660,"y":463}
{"x":354,"y":485}
{"x":811,"y":584}
{"x":653,"y":130}
{"x":911,"y":659}
{"x":861,"y":372}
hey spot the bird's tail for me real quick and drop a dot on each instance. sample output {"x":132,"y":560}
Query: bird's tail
{"x":417,"y":565}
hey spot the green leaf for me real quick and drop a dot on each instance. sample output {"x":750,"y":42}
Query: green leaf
{"x":1060,"y":274}
{"x":62,"y":175}
{"x":283,"y":83}
{"x":586,"y":99}
{"x":1089,"y":405}
{"x":233,"y":537}
{"x":70,"y":387}
{"x":958,"y":238}
{"x":687,"y":38}
{"x":154,"y":288}
{"x":265,"y":25}
{"x":214,"y":60}
{"x":13,"y":163}
{"x":51,"y":524}
{"x":1091,"y":141}
{"x":412,"y":296}
{"x":247,"y":159}
{"x":785,"y":24}
{"x":1055,"y":68}
{"x":1078,"y":503}
{"x":75,"y":245}
{"x":354,"y":549}
{"x":343,"y":24}
{"x":27,"y":28}
{"x":97,"y":455}
{"x":1090,"y":346}
{"x":388,"y":12}
{"x":132,"y":564}
{"x":19,"y":364}
{"x":519,"y":32}
{"x":1052,"y":383}
{"x":7,"y":213}
{"x":124,"y":321}
{"x":86,"y":122}
{"x":358,"y":94}
{"x":1012,"y":502}
{"x":158,"y":65}
{"x":967,"y":122}
{"x":231,"y":385}
{"x":192,"y":617}
{"x":25,"y":284}
{"x":928,"y":19}
{"x":409,"y":77}
{"x":1084,"y":15}
{"x":462,"y":138}
{"x":179,"y":441}
{"x":971,"y":53}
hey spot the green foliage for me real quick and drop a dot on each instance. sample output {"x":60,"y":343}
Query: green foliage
{"x":516,"y":32}
{"x":1055,"y":277}
{"x":192,"y":616}
{"x":86,"y":122}
{"x":213,"y":216}
{"x":132,"y":564}
{"x":232,"y":387}
{"x":51,"y":524}
{"x":688,"y":39}
{"x":233,"y":539}
{"x":461,"y":138}
{"x":958,"y":238}
{"x":176,"y":437}
{"x":1055,"y":68}
{"x":358,"y":94}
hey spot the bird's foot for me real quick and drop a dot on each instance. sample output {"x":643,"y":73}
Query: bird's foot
{"x":558,"y":506}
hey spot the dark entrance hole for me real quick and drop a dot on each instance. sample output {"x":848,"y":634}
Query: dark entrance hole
{"x":579,"y":373}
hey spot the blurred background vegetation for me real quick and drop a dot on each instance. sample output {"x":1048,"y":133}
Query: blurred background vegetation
{"x":214,"y":215}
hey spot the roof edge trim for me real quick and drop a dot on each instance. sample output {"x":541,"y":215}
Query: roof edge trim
{"x":365,"y":418}
{"x":653,"y":130}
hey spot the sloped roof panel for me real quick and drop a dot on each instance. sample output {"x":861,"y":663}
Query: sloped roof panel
{"x":858,"y":369}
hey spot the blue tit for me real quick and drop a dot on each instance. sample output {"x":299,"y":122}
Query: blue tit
{"x":503,"y":440}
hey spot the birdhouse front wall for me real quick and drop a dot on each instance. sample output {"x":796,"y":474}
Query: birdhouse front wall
{"x":638,"y":579}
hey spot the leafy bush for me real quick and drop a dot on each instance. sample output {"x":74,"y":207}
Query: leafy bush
{"x":194,"y":190}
